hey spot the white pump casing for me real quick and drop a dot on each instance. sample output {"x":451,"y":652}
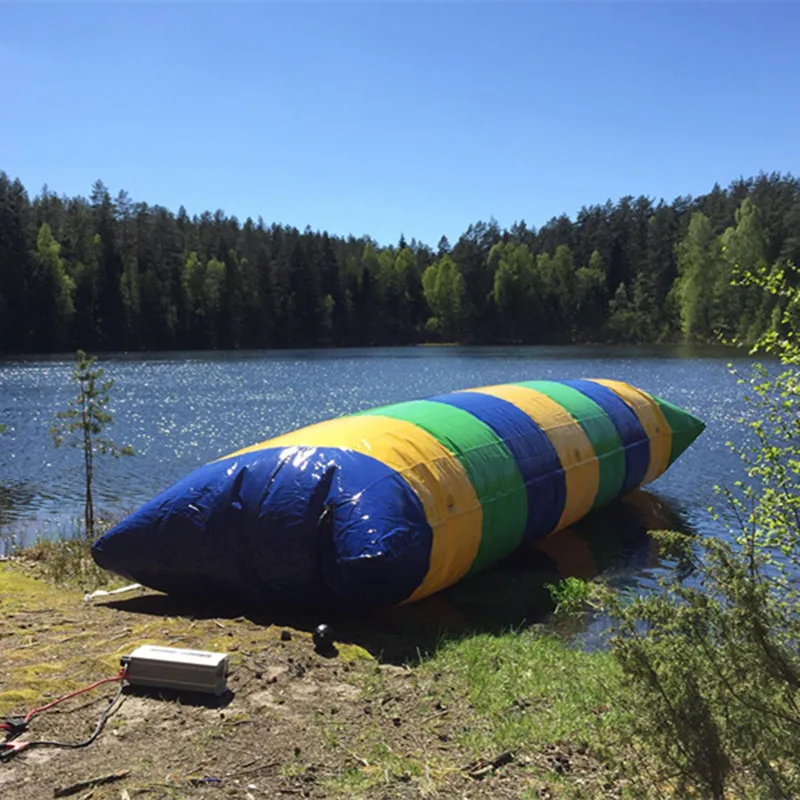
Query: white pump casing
{"x":177,"y":669}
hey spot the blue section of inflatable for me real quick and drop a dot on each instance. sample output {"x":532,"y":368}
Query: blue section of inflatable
{"x":297,"y":525}
{"x":535,"y":456}
{"x":633,"y":436}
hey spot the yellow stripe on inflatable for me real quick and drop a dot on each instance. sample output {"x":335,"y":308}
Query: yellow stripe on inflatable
{"x":581,"y":468}
{"x":652,"y":419}
{"x":447,"y":495}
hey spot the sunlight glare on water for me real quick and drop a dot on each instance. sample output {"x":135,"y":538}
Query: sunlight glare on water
{"x":180,"y":411}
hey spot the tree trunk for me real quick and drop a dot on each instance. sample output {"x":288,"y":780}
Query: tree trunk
{"x":87,"y":464}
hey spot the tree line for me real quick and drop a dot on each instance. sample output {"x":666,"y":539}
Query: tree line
{"x":108,"y":273}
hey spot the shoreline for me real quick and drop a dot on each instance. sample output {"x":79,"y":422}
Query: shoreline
{"x":345,"y":726}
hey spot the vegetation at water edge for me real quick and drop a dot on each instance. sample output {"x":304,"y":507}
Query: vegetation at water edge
{"x":712,"y":665}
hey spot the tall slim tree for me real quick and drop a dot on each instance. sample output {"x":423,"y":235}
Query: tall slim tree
{"x":82,"y":424}
{"x":445,"y":292}
{"x":53,"y":293}
{"x":699,"y":267}
{"x":745,"y":311}
{"x":18,"y":326}
{"x":516,"y":291}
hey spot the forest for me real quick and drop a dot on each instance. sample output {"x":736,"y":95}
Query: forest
{"x":108,"y":273}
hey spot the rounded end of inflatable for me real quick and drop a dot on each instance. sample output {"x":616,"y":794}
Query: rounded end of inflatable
{"x":297,"y":528}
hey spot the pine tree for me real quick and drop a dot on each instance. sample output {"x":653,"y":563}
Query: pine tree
{"x":82,"y":424}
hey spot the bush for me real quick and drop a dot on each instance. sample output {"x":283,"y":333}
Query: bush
{"x":713,"y":663}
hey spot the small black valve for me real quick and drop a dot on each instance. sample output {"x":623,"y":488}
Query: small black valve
{"x":323,"y":638}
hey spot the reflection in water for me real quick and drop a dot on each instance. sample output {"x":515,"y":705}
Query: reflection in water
{"x":12,"y":497}
{"x":613,"y":542}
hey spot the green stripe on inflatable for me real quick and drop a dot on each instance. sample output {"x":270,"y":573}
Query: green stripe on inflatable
{"x":487,"y":461}
{"x":685,"y":427}
{"x":600,"y":430}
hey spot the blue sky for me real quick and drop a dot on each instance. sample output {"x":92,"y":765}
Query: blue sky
{"x":382,"y":117}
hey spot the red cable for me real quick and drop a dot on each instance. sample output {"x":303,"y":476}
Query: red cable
{"x":9,"y":748}
{"x":29,"y":716}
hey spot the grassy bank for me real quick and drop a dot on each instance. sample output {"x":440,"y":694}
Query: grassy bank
{"x":416,"y":702}
{"x":507,"y":715}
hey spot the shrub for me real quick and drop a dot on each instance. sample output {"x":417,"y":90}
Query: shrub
{"x":713,"y":663}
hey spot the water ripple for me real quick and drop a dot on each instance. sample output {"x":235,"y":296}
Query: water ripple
{"x":180,"y":411}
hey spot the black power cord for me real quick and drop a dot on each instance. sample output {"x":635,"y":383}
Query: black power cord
{"x":9,"y":749}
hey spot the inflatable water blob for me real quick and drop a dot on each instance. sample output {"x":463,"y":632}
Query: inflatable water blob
{"x":393,"y":504}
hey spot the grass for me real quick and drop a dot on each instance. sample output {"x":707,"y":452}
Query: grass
{"x":570,"y":595}
{"x":526,"y":689}
{"x":67,"y":560}
{"x":525,"y":701}
{"x":513,"y":714}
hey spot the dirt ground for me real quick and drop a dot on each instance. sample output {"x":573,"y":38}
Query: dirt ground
{"x":365,"y":720}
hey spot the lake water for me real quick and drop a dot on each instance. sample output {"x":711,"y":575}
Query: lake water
{"x":180,"y":410}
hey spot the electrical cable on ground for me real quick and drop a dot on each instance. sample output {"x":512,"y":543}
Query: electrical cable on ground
{"x":14,"y":727}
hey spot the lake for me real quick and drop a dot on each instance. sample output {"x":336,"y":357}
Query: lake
{"x":180,"y":410}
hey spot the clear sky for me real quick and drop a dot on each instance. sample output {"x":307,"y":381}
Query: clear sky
{"x":390,"y":117}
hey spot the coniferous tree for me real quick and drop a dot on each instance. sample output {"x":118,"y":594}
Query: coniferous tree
{"x":18,"y":328}
{"x":140,"y":276}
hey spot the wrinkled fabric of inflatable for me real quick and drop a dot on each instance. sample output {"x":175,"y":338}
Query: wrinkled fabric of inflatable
{"x":394,"y":504}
